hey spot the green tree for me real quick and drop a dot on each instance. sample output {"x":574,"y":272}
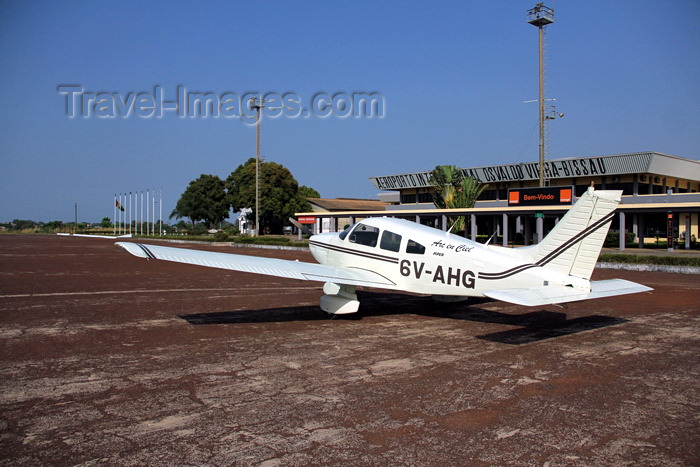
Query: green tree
{"x":203,"y":200}
{"x":469,"y":192}
{"x":52,"y":226}
{"x":445,"y":180}
{"x":106,"y":223}
{"x":455,"y":191}
{"x":280,"y":196}
{"x":23,"y":224}
{"x":308,"y":192}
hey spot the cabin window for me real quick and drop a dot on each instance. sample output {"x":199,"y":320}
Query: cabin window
{"x":390,"y":241}
{"x":414,"y":248}
{"x":364,"y":235}
{"x":345,"y":232}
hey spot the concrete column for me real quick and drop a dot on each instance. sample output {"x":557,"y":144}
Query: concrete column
{"x":473,"y":219}
{"x":417,"y":219}
{"x":687,"y":231}
{"x":505,"y":229}
{"x":540,"y":229}
{"x":444,"y":223}
{"x":622,"y":231}
{"x":640,"y":233}
{"x":527,"y":233}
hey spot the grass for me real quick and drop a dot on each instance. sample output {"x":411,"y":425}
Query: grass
{"x":649,"y":259}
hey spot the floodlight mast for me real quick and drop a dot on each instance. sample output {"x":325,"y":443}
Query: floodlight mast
{"x":541,"y":16}
{"x":257,"y":104}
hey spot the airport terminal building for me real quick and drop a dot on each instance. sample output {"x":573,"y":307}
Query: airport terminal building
{"x":658,"y":189}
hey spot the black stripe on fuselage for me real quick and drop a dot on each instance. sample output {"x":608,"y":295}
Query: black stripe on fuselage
{"x":506,"y":273}
{"x":552,"y":255}
{"x":350,"y":251}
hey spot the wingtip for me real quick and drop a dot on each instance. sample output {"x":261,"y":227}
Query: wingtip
{"x":132,"y":248}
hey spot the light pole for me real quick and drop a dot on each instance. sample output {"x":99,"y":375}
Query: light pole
{"x":541,"y":16}
{"x":257,"y":104}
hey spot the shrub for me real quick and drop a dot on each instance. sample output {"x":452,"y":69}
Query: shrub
{"x":613,"y":238}
{"x":220,"y":236}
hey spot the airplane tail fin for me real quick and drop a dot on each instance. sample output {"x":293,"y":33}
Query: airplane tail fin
{"x":574,"y":244}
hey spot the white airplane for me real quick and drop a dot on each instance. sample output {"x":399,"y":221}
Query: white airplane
{"x":402,"y":255}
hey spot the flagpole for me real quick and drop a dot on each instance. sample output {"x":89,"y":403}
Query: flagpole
{"x":160,"y":206}
{"x":114,"y":216}
{"x":122,"y":215}
{"x":148,"y":217}
{"x":119,"y":230}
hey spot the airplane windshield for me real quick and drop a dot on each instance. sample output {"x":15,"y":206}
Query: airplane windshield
{"x":364,"y":235}
{"x":345,"y":232}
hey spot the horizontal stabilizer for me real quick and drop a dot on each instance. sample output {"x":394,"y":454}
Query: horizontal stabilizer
{"x":549,"y":295}
{"x":259,"y":265}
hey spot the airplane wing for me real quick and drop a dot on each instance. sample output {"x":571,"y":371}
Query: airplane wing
{"x":549,"y":295}
{"x":257,"y":265}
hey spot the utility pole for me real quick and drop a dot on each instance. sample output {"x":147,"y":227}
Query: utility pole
{"x":541,"y":16}
{"x":257,"y":104}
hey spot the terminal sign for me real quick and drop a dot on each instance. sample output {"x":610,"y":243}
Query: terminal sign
{"x":307,"y":219}
{"x":541,"y":196}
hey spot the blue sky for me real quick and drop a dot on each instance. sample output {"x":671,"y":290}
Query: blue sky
{"x":453,"y":76}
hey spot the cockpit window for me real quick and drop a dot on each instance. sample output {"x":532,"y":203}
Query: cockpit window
{"x":364,"y":235}
{"x":345,"y":232}
{"x":415,"y":248}
{"x":390,"y":241}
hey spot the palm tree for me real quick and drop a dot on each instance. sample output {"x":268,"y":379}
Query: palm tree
{"x":454,"y":191}
{"x":445,"y":179}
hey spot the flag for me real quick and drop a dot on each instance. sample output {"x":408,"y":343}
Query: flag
{"x":119,"y":205}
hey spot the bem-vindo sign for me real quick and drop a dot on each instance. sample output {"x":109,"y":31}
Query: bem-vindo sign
{"x":541,"y":196}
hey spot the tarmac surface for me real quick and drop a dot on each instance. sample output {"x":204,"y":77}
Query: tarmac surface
{"x":110,"y":359}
